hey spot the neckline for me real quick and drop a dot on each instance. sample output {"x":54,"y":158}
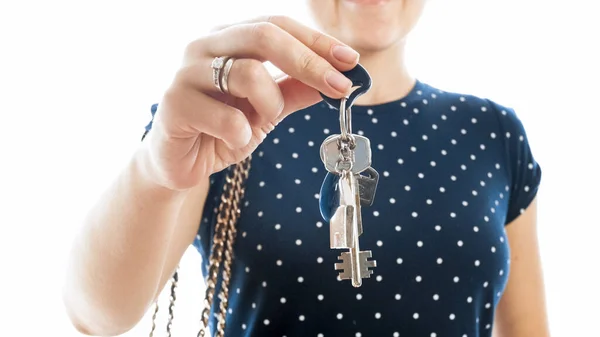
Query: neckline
{"x":415,"y":93}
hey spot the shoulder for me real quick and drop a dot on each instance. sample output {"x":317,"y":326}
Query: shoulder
{"x":487,"y":121}
{"x":479,"y":109}
{"x":502,"y":133}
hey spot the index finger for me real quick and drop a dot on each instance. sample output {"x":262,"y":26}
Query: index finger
{"x":338,"y":54}
{"x":268,"y":42}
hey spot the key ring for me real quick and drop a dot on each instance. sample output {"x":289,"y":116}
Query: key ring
{"x":346,"y":122}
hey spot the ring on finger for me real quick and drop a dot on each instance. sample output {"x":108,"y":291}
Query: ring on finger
{"x":225,"y":75}
{"x":217,"y":66}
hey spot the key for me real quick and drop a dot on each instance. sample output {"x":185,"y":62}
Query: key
{"x":339,"y":214}
{"x":355,"y":263}
{"x":367,"y":185}
{"x":359,"y":158}
{"x":342,"y":222}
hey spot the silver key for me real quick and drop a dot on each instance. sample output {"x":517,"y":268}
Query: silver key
{"x":341,"y":226}
{"x":359,"y":157}
{"x":355,"y":263}
{"x":341,"y":223}
{"x":367,"y":185}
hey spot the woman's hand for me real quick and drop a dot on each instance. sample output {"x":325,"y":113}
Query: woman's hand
{"x":199,"y":130}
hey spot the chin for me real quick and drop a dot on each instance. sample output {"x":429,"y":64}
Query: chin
{"x":367,"y":25}
{"x":372,"y":40}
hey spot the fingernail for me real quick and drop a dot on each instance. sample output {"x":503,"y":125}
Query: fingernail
{"x":338,"y":81}
{"x":345,"y":54}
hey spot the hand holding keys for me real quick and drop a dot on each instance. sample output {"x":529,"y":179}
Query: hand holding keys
{"x":345,"y":189}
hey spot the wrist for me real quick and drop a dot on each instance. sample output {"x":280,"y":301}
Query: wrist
{"x":143,"y":172}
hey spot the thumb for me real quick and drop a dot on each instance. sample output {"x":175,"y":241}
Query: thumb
{"x":296,"y":95}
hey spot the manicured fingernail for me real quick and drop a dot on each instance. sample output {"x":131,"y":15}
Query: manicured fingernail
{"x":345,"y":54}
{"x":338,"y":81}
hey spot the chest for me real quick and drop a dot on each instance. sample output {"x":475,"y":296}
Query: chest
{"x":439,"y":209}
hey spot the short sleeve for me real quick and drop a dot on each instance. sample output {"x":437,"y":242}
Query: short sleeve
{"x":524,"y":171}
{"x":148,"y":127}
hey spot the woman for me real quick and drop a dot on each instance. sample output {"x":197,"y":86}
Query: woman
{"x":453,"y":225}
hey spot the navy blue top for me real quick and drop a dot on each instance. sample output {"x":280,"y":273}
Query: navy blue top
{"x":454,"y":170}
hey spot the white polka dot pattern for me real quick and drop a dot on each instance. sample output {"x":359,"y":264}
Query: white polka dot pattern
{"x":454,"y":171}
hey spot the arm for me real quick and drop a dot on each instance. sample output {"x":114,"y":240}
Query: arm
{"x":128,"y":248}
{"x":136,"y":234}
{"x":522,"y":310}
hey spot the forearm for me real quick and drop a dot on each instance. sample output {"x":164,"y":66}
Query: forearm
{"x":118,"y":257}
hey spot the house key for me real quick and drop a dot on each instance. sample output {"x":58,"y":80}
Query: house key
{"x":355,"y":263}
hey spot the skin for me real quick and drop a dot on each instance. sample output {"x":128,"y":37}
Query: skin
{"x":379,"y":32}
{"x":135,"y":235}
{"x":522,"y":308}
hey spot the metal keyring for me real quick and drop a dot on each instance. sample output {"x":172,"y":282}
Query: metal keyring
{"x":346,"y":122}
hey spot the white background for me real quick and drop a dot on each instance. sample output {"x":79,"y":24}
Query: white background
{"x":77,"y":79}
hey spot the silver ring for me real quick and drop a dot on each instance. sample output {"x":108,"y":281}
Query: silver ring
{"x":217,"y":67}
{"x":346,"y":122}
{"x":225,"y":75}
